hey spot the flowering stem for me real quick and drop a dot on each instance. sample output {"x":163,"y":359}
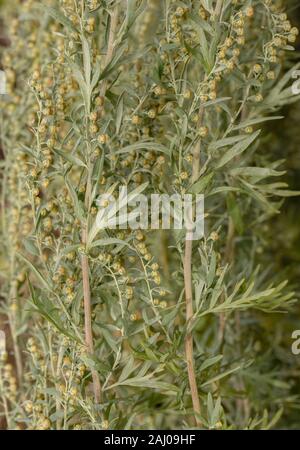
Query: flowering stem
{"x":189,"y":351}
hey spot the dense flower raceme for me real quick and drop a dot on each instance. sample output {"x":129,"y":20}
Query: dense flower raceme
{"x":134,"y":328}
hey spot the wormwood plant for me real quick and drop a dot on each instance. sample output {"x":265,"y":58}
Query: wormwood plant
{"x":126,"y":329}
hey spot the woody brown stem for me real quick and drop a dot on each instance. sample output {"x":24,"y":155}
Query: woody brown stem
{"x":84,"y":259}
{"x":188,"y":285}
{"x":189,"y":350}
{"x":189,"y":344}
{"x":88,"y":322}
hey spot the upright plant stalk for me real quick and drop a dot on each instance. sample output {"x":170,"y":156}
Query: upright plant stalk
{"x":180,"y":106}
{"x":189,"y":344}
{"x":84,"y":260}
{"x":188,"y":284}
{"x":88,"y":320}
{"x":87,"y":294}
